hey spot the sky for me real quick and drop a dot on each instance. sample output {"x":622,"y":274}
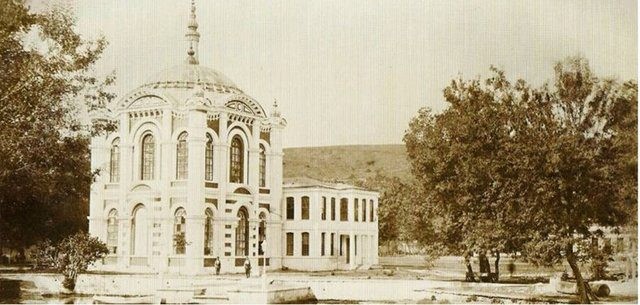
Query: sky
{"x":355,"y":72}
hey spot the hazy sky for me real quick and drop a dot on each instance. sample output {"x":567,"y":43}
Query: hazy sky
{"x":355,"y":72}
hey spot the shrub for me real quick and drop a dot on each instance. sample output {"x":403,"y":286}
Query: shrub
{"x":71,"y":256}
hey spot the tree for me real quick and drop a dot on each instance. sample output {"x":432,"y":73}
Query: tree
{"x":72,"y":256}
{"x":45,"y":87}
{"x":513,"y":168}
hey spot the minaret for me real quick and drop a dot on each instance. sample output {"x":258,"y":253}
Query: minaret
{"x":193,"y":37}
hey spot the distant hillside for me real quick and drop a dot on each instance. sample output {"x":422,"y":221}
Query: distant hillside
{"x":348,"y":163}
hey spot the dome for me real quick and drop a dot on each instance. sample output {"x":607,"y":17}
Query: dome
{"x":190,"y":74}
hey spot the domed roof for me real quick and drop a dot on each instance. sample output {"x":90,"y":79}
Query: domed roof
{"x":189,"y":74}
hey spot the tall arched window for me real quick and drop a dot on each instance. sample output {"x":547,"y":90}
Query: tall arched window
{"x":114,"y":162}
{"x":208,"y":232}
{"x":139,"y":231}
{"x":112,"y":231}
{"x":305,"y":207}
{"x":182,"y":156}
{"x":305,"y":244}
{"x":208,"y":159}
{"x":371,"y":210}
{"x":263,"y":167}
{"x":262,"y":232}
{"x":236,"y":166}
{"x":179,"y":232}
{"x":148,"y":157}
{"x":242,"y":233}
{"x":356,"y":210}
{"x":344,"y":209}
{"x":364,"y":210}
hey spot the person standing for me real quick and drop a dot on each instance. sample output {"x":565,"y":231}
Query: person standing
{"x":217,"y":265}
{"x":247,"y":267}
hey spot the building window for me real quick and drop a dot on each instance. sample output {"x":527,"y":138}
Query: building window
{"x":323,"y":215}
{"x":356,"y":210}
{"x":364,"y":210}
{"x":242,"y":233}
{"x":305,"y":244}
{"x":289,"y":244}
{"x":236,"y":174}
{"x":371,"y":211}
{"x":208,"y":159}
{"x":114,"y":164}
{"x":305,"y":207}
{"x":139,"y":228}
{"x":344,"y":209}
{"x":263,"y":167}
{"x":290,"y":208}
{"x":333,"y":237}
{"x":179,"y":236}
{"x":262,"y":233}
{"x":333,"y":209}
{"x":322,"y":236}
{"x":208,"y":232}
{"x":148,"y":156}
{"x":112,"y":231}
{"x":355,"y":244}
{"x":182,"y":157}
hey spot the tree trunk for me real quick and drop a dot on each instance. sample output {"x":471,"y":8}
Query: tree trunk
{"x":496,"y":264}
{"x":580,"y":283}
{"x":470,"y":276}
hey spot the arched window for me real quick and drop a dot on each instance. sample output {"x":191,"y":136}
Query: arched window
{"x":236,"y":166}
{"x":114,"y":162}
{"x":356,"y":210}
{"x":305,"y":243}
{"x":371,"y":210}
{"x":179,"y":232}
{"x":289,"y":244}
{"x":262,"y":232}
{"x":208,"y":159}
{"x":112,"y":231}
{"x":148,"y":157}
{"x":364,"y":210}
{"x":263,"y":167}
{"x":182,"y":156}
{"x":208,"y":232}
{"x":242,"y":233}
{"x":139,"y":231}
{"x":291,"y":209}
{"x":305,"y":207}
{"x":344,"y":209}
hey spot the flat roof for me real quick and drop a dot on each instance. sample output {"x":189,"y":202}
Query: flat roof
{"x":306,"y":182}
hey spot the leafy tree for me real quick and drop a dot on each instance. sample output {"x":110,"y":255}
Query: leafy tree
{"x":45,"y":88}
{"x":72,"y":256}
{"x":514,"y":168}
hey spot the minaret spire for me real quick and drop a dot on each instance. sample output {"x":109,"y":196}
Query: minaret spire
{"x":193,"y":36}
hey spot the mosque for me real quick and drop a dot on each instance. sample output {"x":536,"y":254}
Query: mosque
{"x":193,"y":173}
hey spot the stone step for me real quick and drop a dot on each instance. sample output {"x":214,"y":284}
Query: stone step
{"x":209,"y":299}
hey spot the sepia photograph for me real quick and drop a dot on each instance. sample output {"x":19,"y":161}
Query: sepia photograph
{"x":318,"y":152}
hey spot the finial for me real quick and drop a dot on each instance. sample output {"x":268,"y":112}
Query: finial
{"x":192,"y":35}
{"x":275,"y":112}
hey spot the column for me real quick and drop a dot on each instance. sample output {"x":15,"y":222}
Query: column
{"x":126,"y":176}
{"x":352,"y":248}
{"x":196,"y":128}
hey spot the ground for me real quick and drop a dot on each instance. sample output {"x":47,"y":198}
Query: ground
{"x":405,"y":282}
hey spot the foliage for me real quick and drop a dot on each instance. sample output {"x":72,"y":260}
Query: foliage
{"x":72,"y":256}
{"x":45,"y":87}
{"x":180,"y":242}
{"x":515,"y":168}
{"x":600,"y":258}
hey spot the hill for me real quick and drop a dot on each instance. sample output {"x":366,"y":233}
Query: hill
{"x":347,"y":163}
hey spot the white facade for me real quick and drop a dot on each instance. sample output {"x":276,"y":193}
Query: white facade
{"x":328,"y":226}
{"x":193,"y":172}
